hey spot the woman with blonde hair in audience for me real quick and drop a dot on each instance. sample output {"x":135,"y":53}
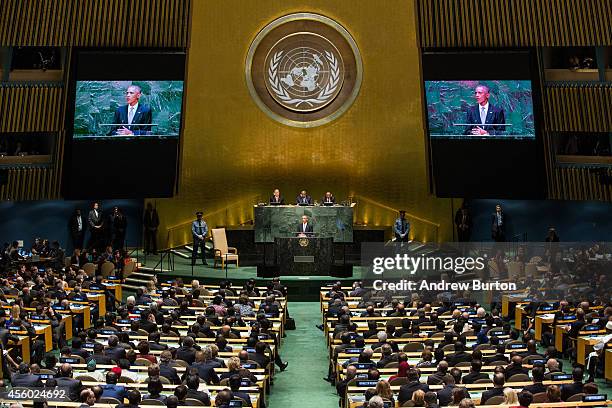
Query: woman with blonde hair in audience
{"x":510,"y":397}
{"x":383,"y":390}
{"x":418,"y":398}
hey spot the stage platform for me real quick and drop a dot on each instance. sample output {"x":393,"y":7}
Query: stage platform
{"x":301,"y":288}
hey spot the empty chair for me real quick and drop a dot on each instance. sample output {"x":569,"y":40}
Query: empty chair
{"x":223,"y":253}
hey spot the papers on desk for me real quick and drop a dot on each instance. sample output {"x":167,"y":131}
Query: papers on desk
{"x":548,"y":316}
{"x":602,"y":341}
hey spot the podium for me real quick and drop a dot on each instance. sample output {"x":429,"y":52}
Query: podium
{"x":304,"y":256}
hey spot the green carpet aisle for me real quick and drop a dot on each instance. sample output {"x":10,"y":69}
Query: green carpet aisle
{"x":302,"y":385}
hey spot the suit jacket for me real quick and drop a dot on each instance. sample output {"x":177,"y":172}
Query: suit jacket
{"x":165,"y":370}
{"x":397,"y":228}
{"x":26,"y":380}
{"x":196,"y":229}
{"x":206,"y":371}
{"x":493,"y":392}
{"x":260,"y":359}
{"x":74,"y":224}
{"x":459,"y":357}
{"x":570,"y":389}
{"x":142,"y":118}
{"x":332,"y":199}
{"x":199,"y":395}
{"x":115,"y":353}
{"x":281,"y":199}
{"x":102,"y":359}
{"x":512,"y":369}
{"x":445,"y":395}
{"x":303,"y":200}
{"x":244,"y":396}
{"x":535,"y":388}
{"x":148,"y":326}
{"x":301,"y":229}
{"x":495,"y":228}
{"x":471,"y":378}
{"x":406,"y":390}
{"x":495,"y":118}
{"x":186,"y":354}
{"x":93,"y":220}
{"x":150,"y":219}
{"x":74,"y":387}
{"x":114,"y":391}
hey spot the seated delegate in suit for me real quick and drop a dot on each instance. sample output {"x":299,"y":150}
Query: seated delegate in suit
{"x":303,"y":198}
{"x":488,"y":116}
{"x":276,"y":197}
{"x":328,"y":198}
{"x":305,"y":227}
{"x":136,"y":116}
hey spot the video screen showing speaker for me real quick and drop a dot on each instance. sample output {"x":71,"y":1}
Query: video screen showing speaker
{"x":127,"y":109}
{"x":482,"y":114}
{"x":124,"y":124}
{"x":472,"y":109}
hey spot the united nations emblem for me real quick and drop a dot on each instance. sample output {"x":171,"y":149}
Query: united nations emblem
{"x":304,"y":70}
{"x":304,"y":242}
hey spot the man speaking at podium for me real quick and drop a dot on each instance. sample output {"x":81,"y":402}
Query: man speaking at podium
{"x":131,"y":114}
{"x":482,"y":117}
{"x":305,"y":228}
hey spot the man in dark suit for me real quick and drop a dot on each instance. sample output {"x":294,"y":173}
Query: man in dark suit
{"x":498,"y":225}
{"x":113,"y":351}
{"x":206,"y":366}
{"x":117,"y":223}
{"x":234,"y":383}
{"x":516,"y":367}
{"x":538,"y":377}
{"x":260,"y":356}
{"x":459,"y":356}
{"x":150,"y":222}
{"x":305,"y":228}
{"x":25,"y":378}
{"x":463,"y":221}
{"x":303,"y":198}
{"x":276,"y":198}
{"x":576,"y":387}
{"x":413,"y":384}
{"x":64,"y":379}
{"x":484,"y":119}
{"x":193,"y":382}
{"x":474,"y":374}
{"x":154,"y":344}
{"x":99,"y":355}
{"x":186,"y":352}
{"x":445,"y":395}
{"x":77,"y":229}
{"x":199,"y":229}
{"x":328,"y":198}
{"x":135,"y":116}
{"x":166,"y":369}
{"x":498,"y":388}
{"x":95,"y":223}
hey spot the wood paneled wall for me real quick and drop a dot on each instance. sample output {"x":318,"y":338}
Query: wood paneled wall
{"x":514,"y":23}
{"x":94,"y":23}
{"x":580,"y":107}
{"x":31,"y":107}
{"x":29,"y":183}
{"x":580,"y":183}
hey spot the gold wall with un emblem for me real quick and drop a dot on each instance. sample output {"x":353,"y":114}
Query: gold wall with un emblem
{"x":233,"y":154}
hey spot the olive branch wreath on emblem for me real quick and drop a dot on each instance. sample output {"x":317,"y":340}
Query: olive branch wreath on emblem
{"x":323,"y":96}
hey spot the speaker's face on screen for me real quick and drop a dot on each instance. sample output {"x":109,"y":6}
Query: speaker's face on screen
{"x":481,"y":94}
{"x":132,"y":95}
{"x":304,"y":219}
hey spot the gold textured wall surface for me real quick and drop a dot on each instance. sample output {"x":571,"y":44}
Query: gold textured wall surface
{"x":497,"y":23}
{"x":31,"y":107}
{"x":578,"y":107}
{"x":233,"y":155}
{"x":96,"y":23}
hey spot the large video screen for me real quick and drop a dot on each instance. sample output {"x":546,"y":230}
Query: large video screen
{"x":482,"y":110}
{"x":127,"y":109}
{"x":473,"y":109}
{"x":124,"y":124}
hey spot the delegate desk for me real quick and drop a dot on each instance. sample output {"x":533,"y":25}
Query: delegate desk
{"x":272,"y":221}
{"x":608,"y":357}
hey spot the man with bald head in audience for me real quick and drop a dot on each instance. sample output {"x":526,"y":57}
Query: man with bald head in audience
{"x":64,"y":379}
{"x":438,"y":377}
{"x":516,"y":367}
{"x":497,"y":390}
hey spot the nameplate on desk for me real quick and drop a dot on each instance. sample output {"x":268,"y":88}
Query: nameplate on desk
{"x":112,"y":278}
{"x":558,"y":377}
{"x":15,"y":328}
{"x":539,"y":361}
{"x":58,"y":308}
{"x":371,"y":383}
{"x":69,"y":360}
{"x":79,"y":299}
{"x":245,"y":382}
{"x":364,"y":366}
{"x":590,"y":328}
{"x":263,"y":337}
{"x":108,"y":332}
{"x":35,"y":317}
{"x":569,"y":317}
{"x":124,"y":321}
{"x":353,"y":350}
{"x":303,"y":258}
{"x":88,"y":345}
{"x":269,"y":315}
{"x":136,"y":311}
{"x":353,"y":336}
{"x":250,"y":350}
{"x":95,"y":287}
{"x":235,"y":404}
{"x":249,"y":366}
{"x":44,"y":376}
{"x":516,"y":346}
{"x":595,"y":398}
{"x":547,"y":308}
